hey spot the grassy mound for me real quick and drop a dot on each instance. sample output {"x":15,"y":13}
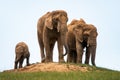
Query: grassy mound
{"x":60,"y":71}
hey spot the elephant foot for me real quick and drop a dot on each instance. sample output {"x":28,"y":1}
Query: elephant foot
{"x":62,"y":61}
{"x":79,"y":62}
{"x":43,"y":60}
{"x":20,"y":66}
{"x":93,"y":64}
{"x":28,"y":64}
{"x":87,"y":62}
{"x":15,"y":67}
{"x":47,"y":61}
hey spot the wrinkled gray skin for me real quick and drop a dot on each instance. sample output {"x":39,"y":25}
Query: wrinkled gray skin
{"x":90,"y":42}
{"x":79,"y":36}
{"x":52,"y":27}
{"x":71,"y":40}
{"x":22,"y":52}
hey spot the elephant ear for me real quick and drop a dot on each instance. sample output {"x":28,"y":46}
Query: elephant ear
{"x":48,"y":22}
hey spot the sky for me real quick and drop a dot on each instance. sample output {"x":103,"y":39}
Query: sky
{"x":18,"y":20}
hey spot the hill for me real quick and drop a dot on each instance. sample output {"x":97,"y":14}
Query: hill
{"x":60,"y":71}
{"x":58,"y":67}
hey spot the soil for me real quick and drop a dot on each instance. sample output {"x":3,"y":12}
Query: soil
{"x":43,"y":67}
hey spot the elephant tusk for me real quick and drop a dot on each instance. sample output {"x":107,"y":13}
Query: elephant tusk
{"x":58,"y":30}
{"x":87,"y":45}
{"x":81,"y":41}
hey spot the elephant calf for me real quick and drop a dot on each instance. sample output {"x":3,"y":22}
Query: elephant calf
{"x":22,"y":52}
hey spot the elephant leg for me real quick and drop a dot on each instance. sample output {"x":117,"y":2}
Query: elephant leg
{"x":74,"y":56}
{"x":16,"y":63}
{"x":51,"y":50}
{"x":47,"y":49}
{"x":79,"y":50}
{"x":69,"y":57}
{"x":87,"y":55}
{"x":40,"y":40}
{"x":93,"y":53}
{"x":27,"y":61}
{"x":42,"y":52}
{"x":48,"y":54}
{"x":17,"y":59}
{"x":15,"y":66}
{"x":21,"y":62}
{"x":60,"y":50}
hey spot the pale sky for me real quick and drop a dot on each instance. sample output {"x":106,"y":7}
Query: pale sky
{"x":18,"y":20}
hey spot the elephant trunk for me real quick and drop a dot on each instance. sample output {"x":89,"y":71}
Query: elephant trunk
{"x":91,"y":42}
{"x":66,"y":49}
{"x":88,"y":42}
{"x":65,"y":44}
{"x":58,"y":27}
{"x":62,"y":26}
{"x":63,"y":35}
{"x":81,"y":39}
{"x":93,"y":54}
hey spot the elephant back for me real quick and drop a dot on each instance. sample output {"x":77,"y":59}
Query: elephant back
{"x":21,"y":47}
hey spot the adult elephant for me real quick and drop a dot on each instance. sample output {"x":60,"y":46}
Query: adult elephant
{"x":52,"y":27}
{"x":79,"y":36}
{"x":22,"y":52}
{"x":90,"y":42}
{"x":71,"y":40}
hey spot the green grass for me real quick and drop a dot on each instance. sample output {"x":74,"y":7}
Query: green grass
{"x":92,"y":75}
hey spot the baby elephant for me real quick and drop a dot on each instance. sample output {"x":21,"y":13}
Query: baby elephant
{"x":22,"y":52}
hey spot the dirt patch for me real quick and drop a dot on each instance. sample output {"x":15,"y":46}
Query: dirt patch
{"x":43,"y":67}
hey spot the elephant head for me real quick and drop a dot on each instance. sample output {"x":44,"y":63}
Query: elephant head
{"x":90,"y":34}
{"x":78,"y":29}
{"x":57,"y":20}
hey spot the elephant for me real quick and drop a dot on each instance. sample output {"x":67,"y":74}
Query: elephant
{"x":52,"y":27}
{"x":79,"y":36}
{"x":71,"y":39}
{"x":22,"y":52}
{"x":90,"y":43}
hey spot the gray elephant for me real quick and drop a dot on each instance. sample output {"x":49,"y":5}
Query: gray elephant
{"x":52,"y":27}
{"x":22,"y":52}
{"x":71,"y":40}
{"x":79,"y":36}
{"x":90,"y":42}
